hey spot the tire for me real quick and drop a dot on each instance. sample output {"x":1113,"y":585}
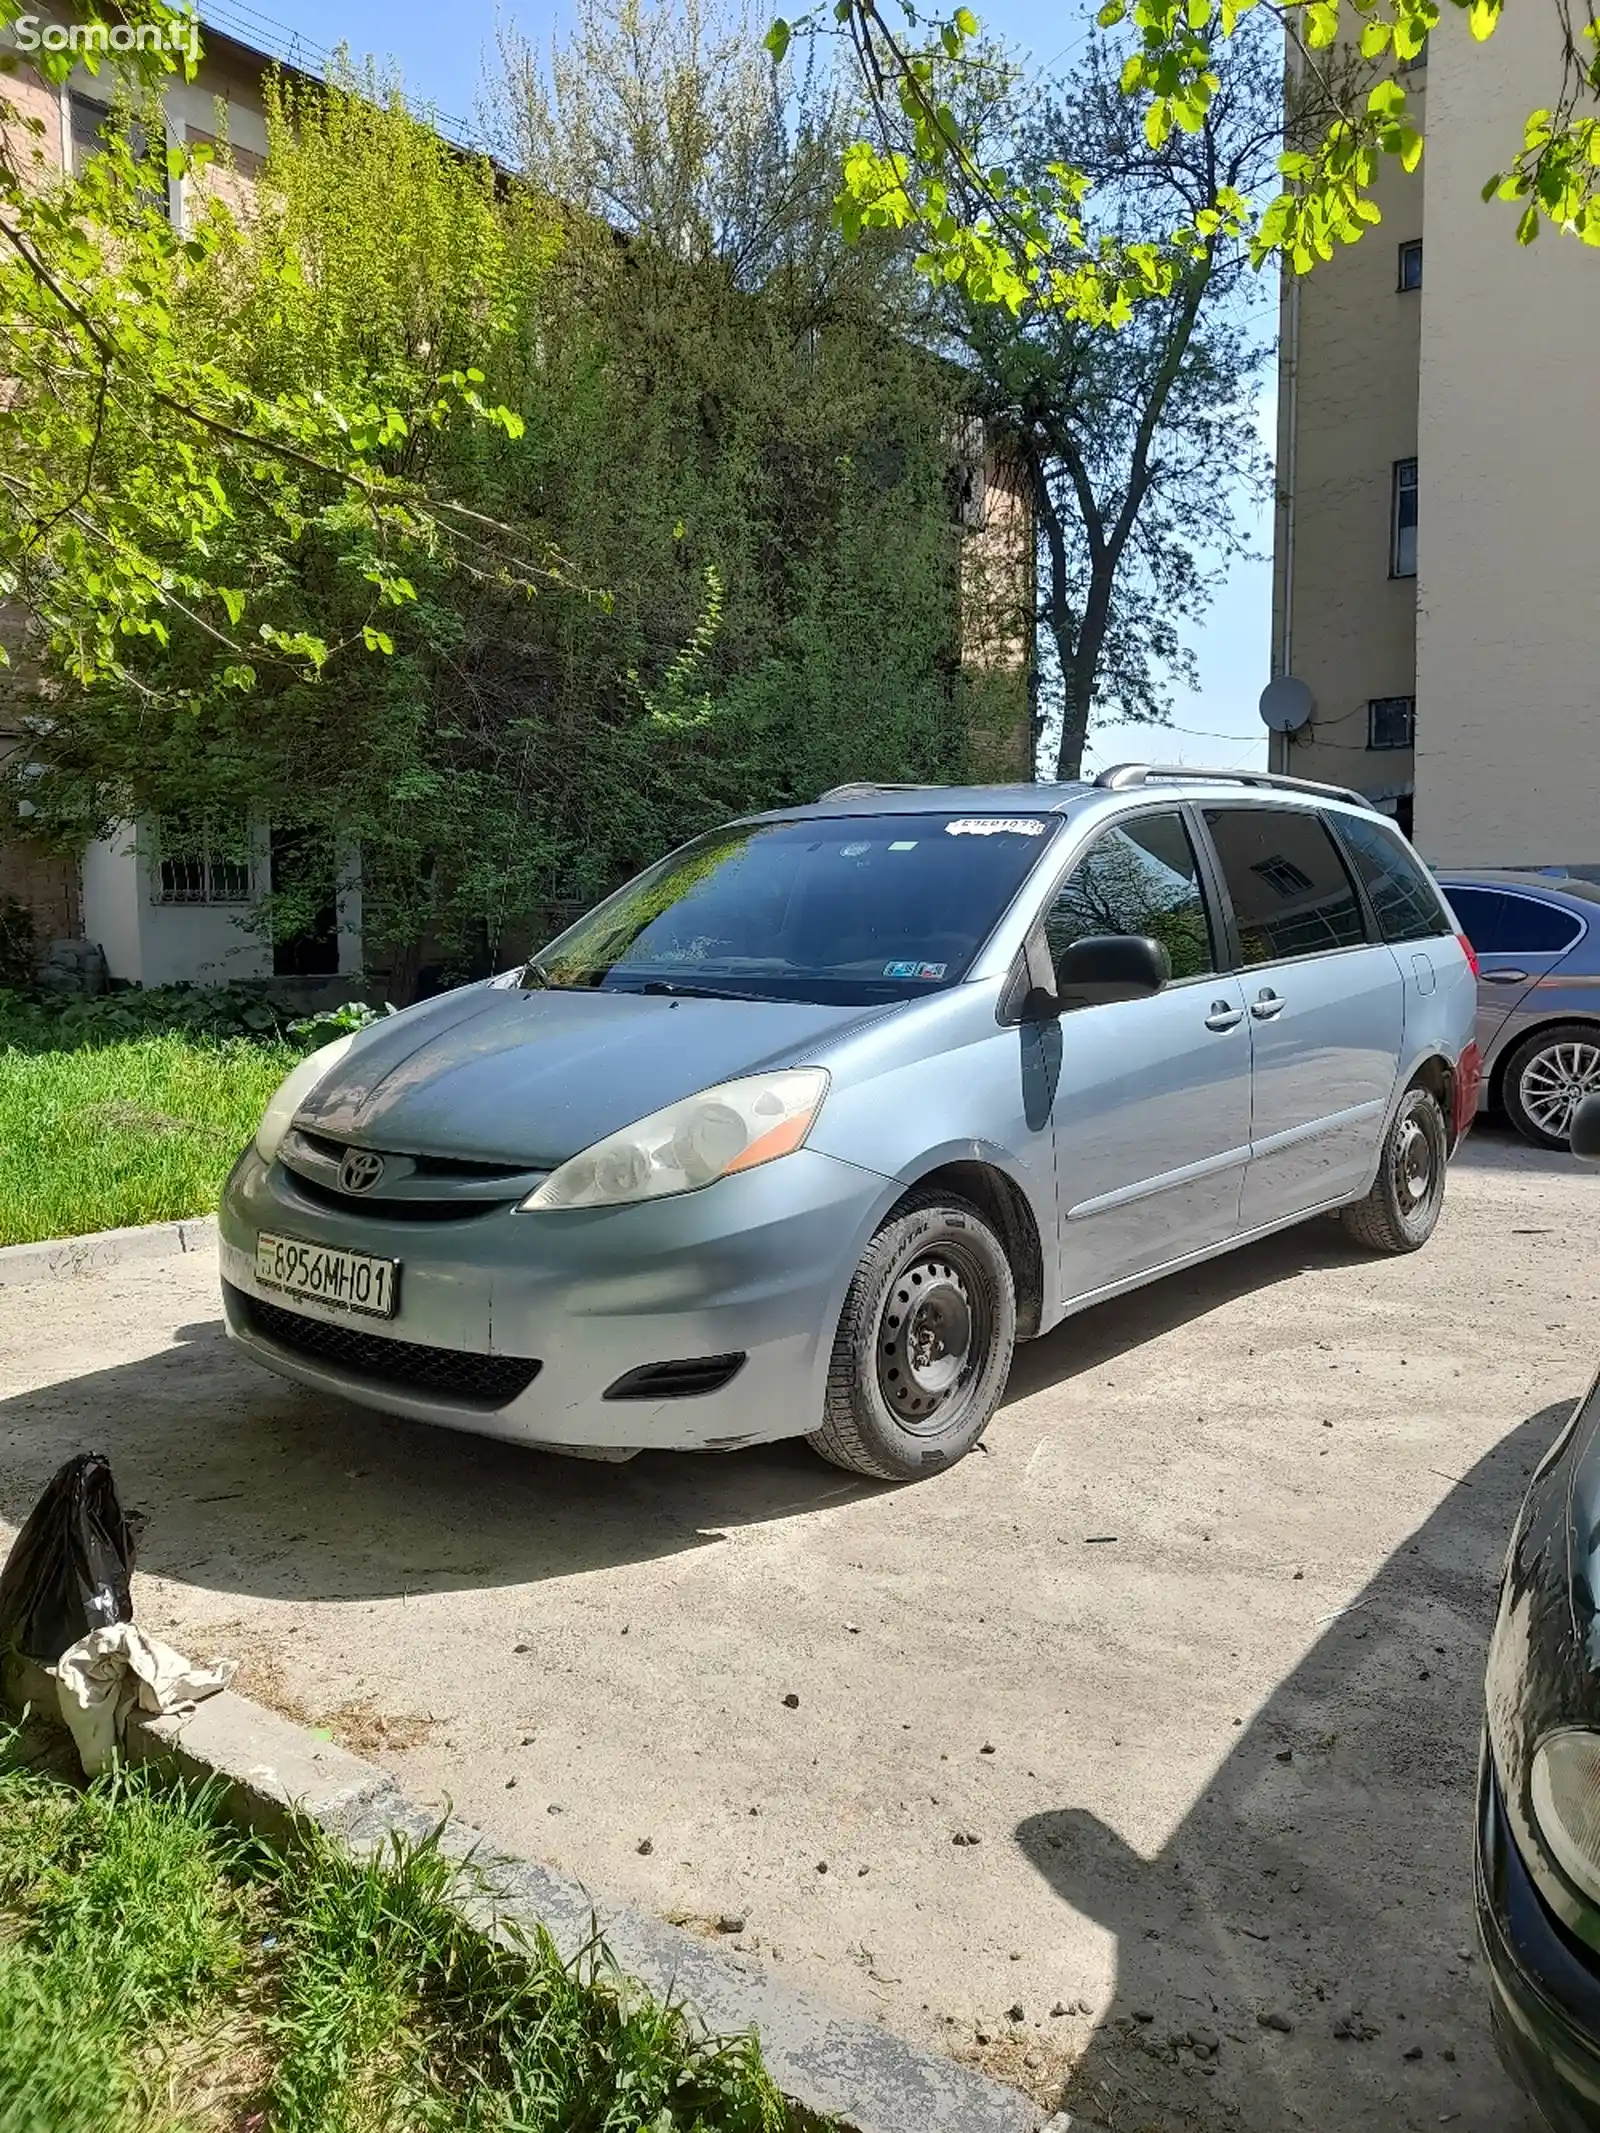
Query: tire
{"x":924,"y":1344}
{"x":1547,"y":1076}
{"x":1401,"y":1211}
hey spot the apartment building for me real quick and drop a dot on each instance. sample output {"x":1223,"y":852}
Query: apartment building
{"x":161,"y":913}
{"x":1436,"y":467}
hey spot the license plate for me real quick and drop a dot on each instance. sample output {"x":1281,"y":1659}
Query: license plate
{"x":347,"y":1281}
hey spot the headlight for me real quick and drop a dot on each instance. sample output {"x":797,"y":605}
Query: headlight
{"x":292,"y":1093}
{"x":732,"y":1127}
{"x":1565,"y":1796}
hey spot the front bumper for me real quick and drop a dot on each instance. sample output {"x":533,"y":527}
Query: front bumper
{"x":1545,"y":1987}
{"x":757,"y":1265}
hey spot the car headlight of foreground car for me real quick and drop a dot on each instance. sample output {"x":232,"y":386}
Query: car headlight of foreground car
{"x":734,"y":1126}
{"x":1564,"y":1794}
{"x":292,"y":1093}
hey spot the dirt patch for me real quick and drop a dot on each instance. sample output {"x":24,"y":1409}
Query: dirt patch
{"x":121,"y":1116}
{"x":358,"y":1723}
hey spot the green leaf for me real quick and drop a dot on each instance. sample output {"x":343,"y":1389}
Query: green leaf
{"x":233,"y":601}
{"x":966,"y":22}
{"x":1482,"y":17}
{"x":777,"y":40}
{"x":1528,"y":225}
{"x":376,"y":640}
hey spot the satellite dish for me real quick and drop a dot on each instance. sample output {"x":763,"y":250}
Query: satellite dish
{"x":1286,"y":703}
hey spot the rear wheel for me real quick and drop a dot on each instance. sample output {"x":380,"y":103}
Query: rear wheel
{"x":1547,"y":1077}
{"x":924,"y":1344}
{"x":1401,"y":1211}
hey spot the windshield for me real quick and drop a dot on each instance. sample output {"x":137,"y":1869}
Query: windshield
{"x":855,"y":908}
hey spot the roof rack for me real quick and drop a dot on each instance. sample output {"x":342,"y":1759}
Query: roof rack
{"x":1122,"y":777}
{"x":865,"y":791}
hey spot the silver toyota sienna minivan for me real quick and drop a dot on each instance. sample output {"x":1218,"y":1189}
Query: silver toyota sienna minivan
{"x":802,"y":1130}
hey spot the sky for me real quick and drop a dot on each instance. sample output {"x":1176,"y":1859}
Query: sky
{"x":442,"y":47}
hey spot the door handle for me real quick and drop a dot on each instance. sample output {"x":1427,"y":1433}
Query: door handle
{"x":1505,"y":977}
{"x":1224,"y":1015}
{"x":1266,"y":1004}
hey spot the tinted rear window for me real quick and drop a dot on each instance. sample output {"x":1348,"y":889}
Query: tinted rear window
{"x":855,"y":908}
{"x":1403,"y":896}
{"x":1291,"y":893}
{"x":1506,"y":922}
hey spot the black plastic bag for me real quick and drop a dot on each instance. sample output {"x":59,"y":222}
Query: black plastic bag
{"x":71,"y":1567}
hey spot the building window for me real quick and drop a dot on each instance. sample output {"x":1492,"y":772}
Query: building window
{"x":93,"y":125}
{"x":1403,"y":521}
{"x":1392,"y":722}
{"x":203,"y":869}
{"x":1411,"y":264}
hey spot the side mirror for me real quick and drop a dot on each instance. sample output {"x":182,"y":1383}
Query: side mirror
{"x":1585,"y":1140}
{"x":1103,"y":967}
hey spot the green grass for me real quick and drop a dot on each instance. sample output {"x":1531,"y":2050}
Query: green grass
{"x":110,"y":1133}
{"x":161,"y":1974}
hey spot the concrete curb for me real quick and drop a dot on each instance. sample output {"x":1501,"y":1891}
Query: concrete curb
{"x":827,"y":2065}
{"x":104,"y":1248}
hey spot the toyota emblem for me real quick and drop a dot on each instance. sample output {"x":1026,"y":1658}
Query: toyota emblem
{"x":360,"y":1170}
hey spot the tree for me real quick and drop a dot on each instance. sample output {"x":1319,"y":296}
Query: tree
{"x":1000,"y":232}
{"x":752,"y":461}
{"x":1138,"y":443}
{"x":130,"y":445}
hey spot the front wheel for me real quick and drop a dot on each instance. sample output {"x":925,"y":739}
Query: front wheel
{"x":1401,"y":1211}
{"x":1547,"y":1077}
{"x":923,"y":1346}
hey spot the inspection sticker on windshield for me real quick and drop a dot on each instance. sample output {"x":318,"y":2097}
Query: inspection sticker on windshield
{"x":914,"y":970}
{"x":995,"y":826}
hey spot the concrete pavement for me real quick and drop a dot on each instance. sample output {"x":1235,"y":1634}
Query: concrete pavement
{"x":1192,"y":1650}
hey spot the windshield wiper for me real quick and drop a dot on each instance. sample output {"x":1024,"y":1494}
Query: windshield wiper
{"x":696,"y":992}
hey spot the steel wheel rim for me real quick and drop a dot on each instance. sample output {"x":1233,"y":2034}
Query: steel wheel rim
{"x":933,"y":1334}
{"x":1555,"y":1082}
{"x":1413,"y":1165}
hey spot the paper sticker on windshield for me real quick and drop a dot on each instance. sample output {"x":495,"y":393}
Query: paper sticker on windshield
{"x":995,"y":826}
{"x":914,"y":970}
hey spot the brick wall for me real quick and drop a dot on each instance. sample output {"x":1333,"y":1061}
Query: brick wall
{"x":45,"y":886}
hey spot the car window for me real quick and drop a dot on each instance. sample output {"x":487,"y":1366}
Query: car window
{"x":1404,"y":898}
{"x":1532,"y":927}
{"x":1291,"y":893}
{"x":835,"y":910}
{"x":1140,"y":877}
{"x":1480,"y":913}
{"x":1504,"y":922}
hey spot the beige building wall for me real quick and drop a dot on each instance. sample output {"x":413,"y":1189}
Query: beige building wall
{"x":1508,"y":689}
{"x":1347,"y":411}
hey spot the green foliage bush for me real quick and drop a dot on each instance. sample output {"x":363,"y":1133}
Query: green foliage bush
{"x":741,"y":477}
{"x":215,"y":1014}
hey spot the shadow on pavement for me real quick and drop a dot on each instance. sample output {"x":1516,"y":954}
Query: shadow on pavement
{"x":254,"y":1486}
{"x":1091,"y":1339}
{"x":1364,"y":1756}
{"x":1494,"y":1144}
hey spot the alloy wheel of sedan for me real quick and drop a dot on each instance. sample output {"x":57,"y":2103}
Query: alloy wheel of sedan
{"x":1546,"y":1080}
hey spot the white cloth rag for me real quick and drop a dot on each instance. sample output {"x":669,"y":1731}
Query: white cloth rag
{"x":112,"y":1672}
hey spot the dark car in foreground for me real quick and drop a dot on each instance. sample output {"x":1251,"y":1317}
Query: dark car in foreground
{"x":1538,"y":1845}
{"x":1537,"y":939}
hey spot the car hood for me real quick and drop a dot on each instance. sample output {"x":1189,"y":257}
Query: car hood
{"x":530,"y":1077}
